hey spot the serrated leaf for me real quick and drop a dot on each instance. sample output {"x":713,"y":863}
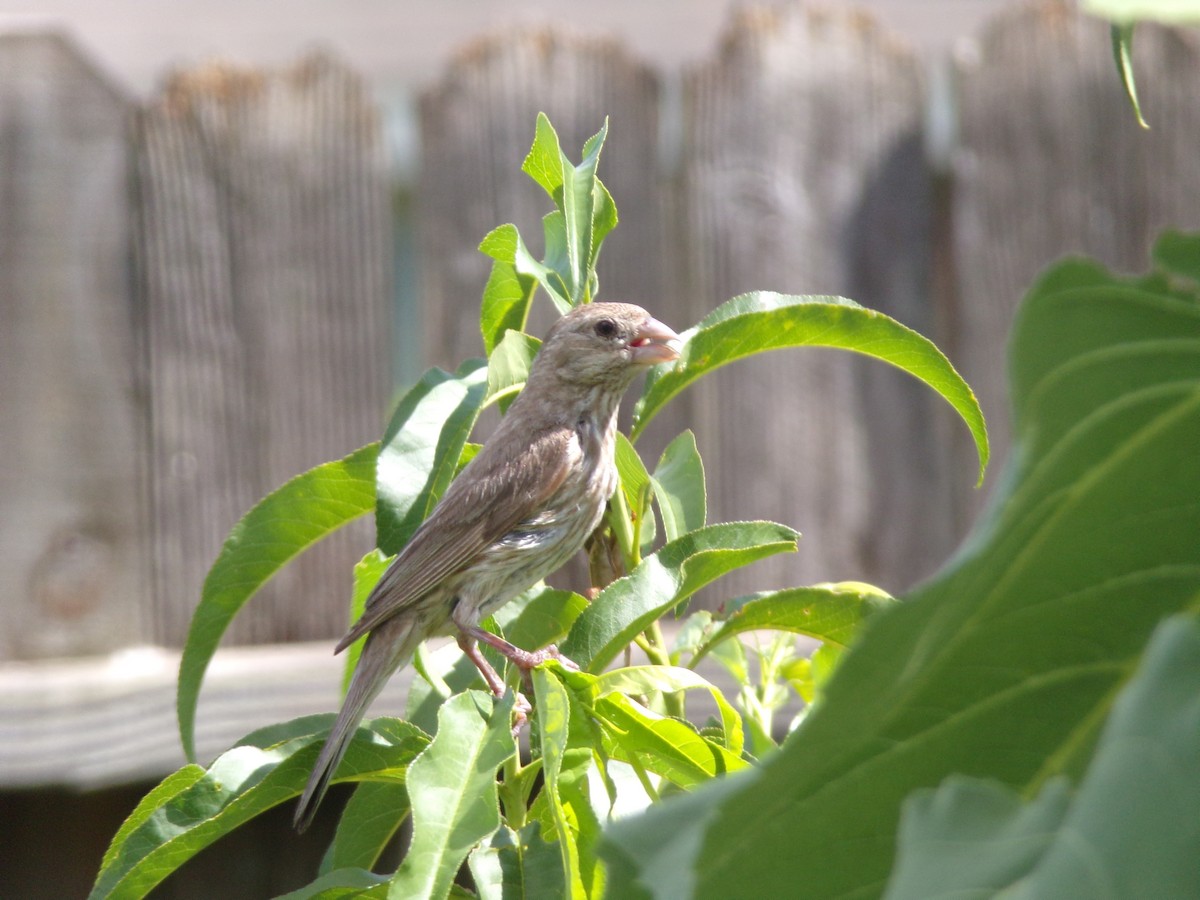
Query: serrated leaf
{"x":585,"y":215}
{"x":342,"y":884}
{"x":421,"y":449}
{"x":760,"y":321}
{"x":174,"y":824}
{"x":508,"y":366}
{"x":516,"y":864}
{"x":664,"y":746}
{"x":679,"y":487}
{"x":505,"y":245}
{"x":369,"y":820}
{"x":507,"y":297}
{"x":281,"y":525}
{"x":831,"y":613}
{"x":641,"y":680}
{"x":1131,"y":829}
{"x":544,"y":162}
{"x":553,"y":715}
{"x":452,"y":789}
{"x":664,"y":580}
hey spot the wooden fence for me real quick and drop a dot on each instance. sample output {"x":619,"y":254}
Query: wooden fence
{"x":196,"y":290}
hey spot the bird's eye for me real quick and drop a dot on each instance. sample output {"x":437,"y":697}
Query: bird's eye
{"x":606,"y":328}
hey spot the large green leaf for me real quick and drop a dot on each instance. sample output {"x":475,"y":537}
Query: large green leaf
{"x":285,"y":522}
{"x":1132,"y":830}
{"x":452,"y":789}
{"x":664,"y":580}
{"x":760,"y":321}
{"x":195,"y":807}
{"x":421,"y":449}
{"x":1006,"y":665}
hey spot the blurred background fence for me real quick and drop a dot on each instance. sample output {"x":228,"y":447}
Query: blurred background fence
{"x":208,"y":291}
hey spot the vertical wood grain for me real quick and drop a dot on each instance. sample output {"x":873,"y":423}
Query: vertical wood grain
{"x":264,"y":266}
{"x":803,"y":174}
{"x":70,"y":573}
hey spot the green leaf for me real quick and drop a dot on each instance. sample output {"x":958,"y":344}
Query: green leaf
{"x":508,"y":366}
{"x":1131,"y":830}
{"x":664,"y":746}
{"x":578,"y":207}
{"x":545,"y":161}
{"x":635,"y":480}
{"x":367,"y":572}
{"x":1178,"y":255}
{"x":831,"y":613}
{"x":517,"y":864}
{"x":369,"y":820}
{"x":760,"y":321}
{"x":540,"y":616}
{"x":1122,"y":44}
{"x":679,"y":487}
{"x":342,"y":884}
{"x":504,"y":245}
{"x":285,"y":522}
{"x":1006,"y":664}
{"x":664,"y":580}
{"x":642,"y":680}
{"x":586,"y":213}
{"x":452,"y":788}
{"x":1169,"y":12}
{"x":191,"y":809}
{"x":507,"y":297}
{"x":421,"y":449}
{"x":553,"y":716}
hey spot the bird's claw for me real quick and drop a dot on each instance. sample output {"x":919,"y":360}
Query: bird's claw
{"x":526,"y":660}
{"x":521,"y":711}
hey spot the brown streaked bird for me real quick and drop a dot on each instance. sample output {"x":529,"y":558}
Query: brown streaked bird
{"x":520,"y":509}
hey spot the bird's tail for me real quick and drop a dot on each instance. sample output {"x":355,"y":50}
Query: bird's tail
{"x":390,"y":645}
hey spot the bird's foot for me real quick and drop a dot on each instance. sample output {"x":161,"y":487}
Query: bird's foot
{"x":526,"y":659}
{"x":520,"y":714}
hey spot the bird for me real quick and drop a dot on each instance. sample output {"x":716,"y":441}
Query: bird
{"x":522,"y":507}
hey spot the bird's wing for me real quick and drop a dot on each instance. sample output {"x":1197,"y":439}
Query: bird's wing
{"x":495,"y":493}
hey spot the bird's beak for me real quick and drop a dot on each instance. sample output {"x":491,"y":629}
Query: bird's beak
{"x":654,"y":343}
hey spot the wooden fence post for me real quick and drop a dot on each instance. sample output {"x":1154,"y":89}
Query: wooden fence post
{"x":70,"y":568}
{"x":1052,"y":162}
{"x":264,"y":251}
{"x":803,"y":173}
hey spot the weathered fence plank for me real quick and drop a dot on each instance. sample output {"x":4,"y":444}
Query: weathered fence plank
{"x":803,"y":173}
{"x":70,"y":546}
{"x":1051,"y":161}
{"x":264,"y":269}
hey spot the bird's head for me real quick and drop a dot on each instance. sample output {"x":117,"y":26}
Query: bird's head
{"x":605,"y":344}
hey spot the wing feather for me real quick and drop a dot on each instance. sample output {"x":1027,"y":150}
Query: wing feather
{"x":493,"y":495}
